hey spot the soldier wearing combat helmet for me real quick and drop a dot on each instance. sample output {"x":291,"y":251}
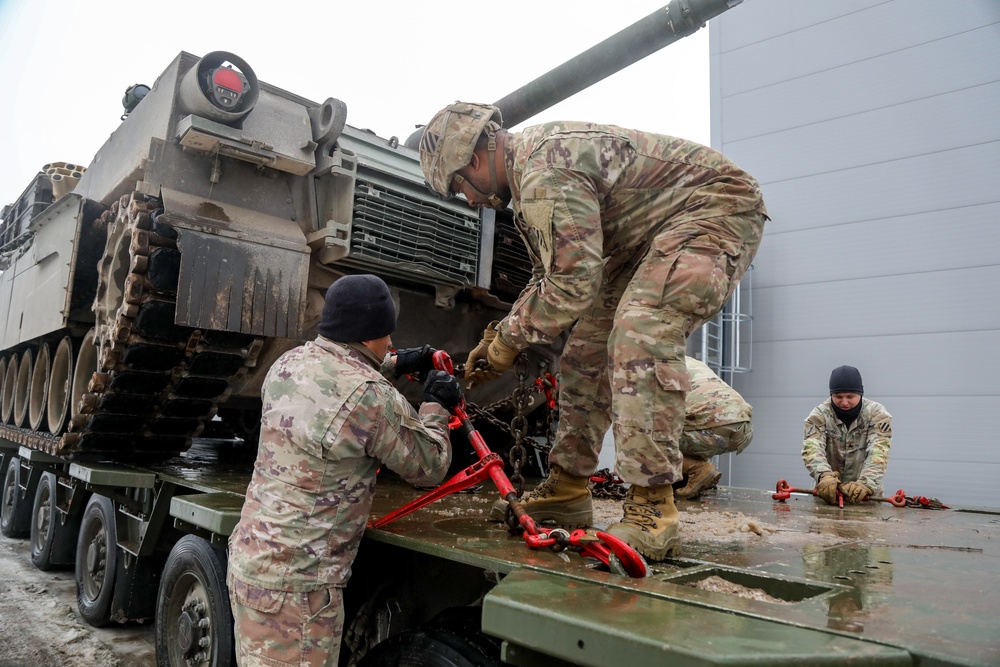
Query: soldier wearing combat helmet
{"x":330,"y":419}
{"x":636,"y":240}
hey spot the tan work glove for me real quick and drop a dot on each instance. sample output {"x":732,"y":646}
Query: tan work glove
{"x":477,"y":366}
{"x":826,"y":487}
{"x":855,"y":492}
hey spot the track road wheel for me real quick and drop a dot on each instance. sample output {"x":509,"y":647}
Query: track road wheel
{"x":194,"y":622}
{"x":15,"y":512}
{"x":53,"y":543}
{"x":96,"y":561}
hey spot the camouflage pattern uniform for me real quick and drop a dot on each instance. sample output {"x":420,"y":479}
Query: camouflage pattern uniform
{"x":329,"y":420}
{"x":717,"y":419}
{"x":860,"y":453}
{"x":636,"y":240}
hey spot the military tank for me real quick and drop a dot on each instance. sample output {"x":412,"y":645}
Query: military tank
{"x":145,"y":295}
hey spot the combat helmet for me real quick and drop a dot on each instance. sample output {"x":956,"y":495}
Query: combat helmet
{"x":450,"y":138}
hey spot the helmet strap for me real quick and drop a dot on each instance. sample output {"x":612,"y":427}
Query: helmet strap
{"x":491,"y":150}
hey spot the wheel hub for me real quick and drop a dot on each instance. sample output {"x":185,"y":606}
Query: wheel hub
{"x":185,"y":631}
{"x":95,"y":556}
{"x":193,"y":633}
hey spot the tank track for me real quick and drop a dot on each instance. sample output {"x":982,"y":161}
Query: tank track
{"x":156,"y":383}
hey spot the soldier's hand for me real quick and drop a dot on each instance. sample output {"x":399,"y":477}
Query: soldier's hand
{"x":442,"y":388}
{"x":477,"y":367}
{"x":414,"y":360}
{"x":826,"y":487}
{"x":501,"y":355}
{"x":855,"y":492}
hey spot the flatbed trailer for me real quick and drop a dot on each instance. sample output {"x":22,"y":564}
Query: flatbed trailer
{"x":871,"y":584}
{"x":760,"y":581}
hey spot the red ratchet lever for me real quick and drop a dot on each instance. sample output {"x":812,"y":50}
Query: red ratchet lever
{"x":783,"y":491}
{"x":615,"y":554}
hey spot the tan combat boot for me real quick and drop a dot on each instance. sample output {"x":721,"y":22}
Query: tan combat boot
{"x":561,"y":498}
{"x":701,"y":476}
{"x":650,"y":524}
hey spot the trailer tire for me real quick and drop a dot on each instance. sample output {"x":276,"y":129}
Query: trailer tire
{"x":192,"y":590}
{"x":430,"y":647}
{"x":53,"y":543}
{"x":96,"y":561}
{"x":15,"y":512}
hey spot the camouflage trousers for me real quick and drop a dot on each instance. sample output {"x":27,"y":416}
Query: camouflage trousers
{"x":623,"y":363}
{"x":709,"y":442}
{"x":278,"y":628}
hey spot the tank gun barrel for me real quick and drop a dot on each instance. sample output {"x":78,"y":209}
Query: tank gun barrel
{"x":665,"y":26}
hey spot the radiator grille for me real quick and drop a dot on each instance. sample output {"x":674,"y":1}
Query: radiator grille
{"x":511,"y":264}
{"x":410,"y":233}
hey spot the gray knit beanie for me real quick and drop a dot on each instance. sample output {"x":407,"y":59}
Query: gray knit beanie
{"x":358,"y":308}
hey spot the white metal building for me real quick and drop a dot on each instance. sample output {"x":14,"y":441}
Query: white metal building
{"x":874,"y":129}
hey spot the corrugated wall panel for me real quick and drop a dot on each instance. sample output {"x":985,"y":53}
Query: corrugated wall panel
{"x":872,"y":129}
{"x":923,"y":242}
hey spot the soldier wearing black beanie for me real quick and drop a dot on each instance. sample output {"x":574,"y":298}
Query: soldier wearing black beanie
{"x":358,"y":308}
{"x":846,"y":441}
{"x":846,"y":380}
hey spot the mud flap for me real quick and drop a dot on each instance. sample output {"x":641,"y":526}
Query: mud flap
{"x":229,"y":284}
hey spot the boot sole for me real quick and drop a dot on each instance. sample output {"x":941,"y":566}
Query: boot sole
{"x":651,"y":552}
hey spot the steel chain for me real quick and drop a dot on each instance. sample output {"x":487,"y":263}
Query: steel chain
{"x":518,"y":423}
{"x":549,"y":384}
{"x":605,"y":483}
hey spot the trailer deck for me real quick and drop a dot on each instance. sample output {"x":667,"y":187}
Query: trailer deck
{"x":793,"y":582}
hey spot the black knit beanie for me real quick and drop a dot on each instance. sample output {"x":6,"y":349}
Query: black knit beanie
{"x":358,"y":308}
{"x":846,"y":380}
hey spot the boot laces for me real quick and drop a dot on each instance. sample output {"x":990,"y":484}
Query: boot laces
{"x":642,"y":514}
{"x":543,"y":490}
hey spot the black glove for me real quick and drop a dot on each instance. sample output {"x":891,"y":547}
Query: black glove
{"x":414,"y":360}
{"x":442,"y":388}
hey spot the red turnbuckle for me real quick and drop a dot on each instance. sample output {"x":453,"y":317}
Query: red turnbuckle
{"x":783,"y":491}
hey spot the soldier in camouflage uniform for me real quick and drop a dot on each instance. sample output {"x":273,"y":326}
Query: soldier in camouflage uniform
{"x":636,"y":239}
{"x":847,"y":440}
{"x":717,"y":421}
{"x":330,"y":419}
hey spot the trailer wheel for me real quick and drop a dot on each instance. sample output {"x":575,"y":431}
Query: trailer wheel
{"x":194,"y":622}
{"x":53,"y":543}
{"x":96,"y":561}
{"x":15,"y":513}
{"x":431,"y":648}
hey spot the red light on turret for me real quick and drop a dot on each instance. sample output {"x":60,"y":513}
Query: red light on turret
{"x":228,"y":79}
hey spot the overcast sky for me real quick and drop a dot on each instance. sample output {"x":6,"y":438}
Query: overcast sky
{"x":64,"y":64}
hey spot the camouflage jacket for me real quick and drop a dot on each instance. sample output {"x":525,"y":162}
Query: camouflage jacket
{"x":859,"y":453}
{"x":329,"y":420}
{"x":711,"y":402}
{"x":589,"y":200}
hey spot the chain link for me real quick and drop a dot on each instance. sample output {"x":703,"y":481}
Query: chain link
{"x":605,"y":483}
{"x":519,"y":423}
